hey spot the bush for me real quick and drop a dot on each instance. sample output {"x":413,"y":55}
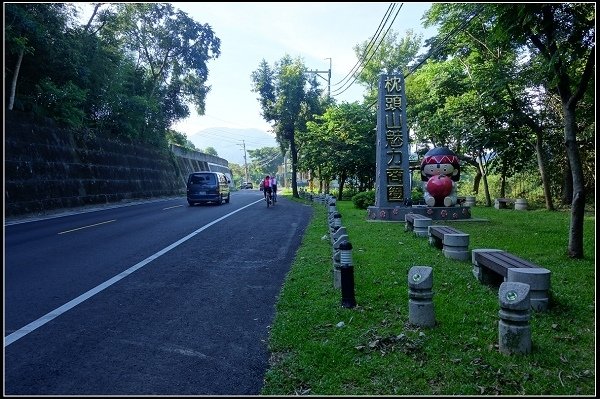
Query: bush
{"x":348,"y":193}
{"x":364,"y":199}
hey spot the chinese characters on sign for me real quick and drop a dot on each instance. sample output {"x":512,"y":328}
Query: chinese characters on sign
{"x":394,"y":138}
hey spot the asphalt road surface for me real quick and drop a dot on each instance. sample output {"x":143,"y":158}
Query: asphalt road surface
{"x":152,"y":298}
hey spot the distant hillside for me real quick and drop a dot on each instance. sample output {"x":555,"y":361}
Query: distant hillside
{"x":229,"y":142}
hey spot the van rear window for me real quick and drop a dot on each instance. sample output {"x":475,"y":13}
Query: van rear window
{"x":202,"y":179}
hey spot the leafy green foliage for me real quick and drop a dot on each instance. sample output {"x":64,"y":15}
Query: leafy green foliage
{"x":288,"y":99}
{"x":364,"y":199}
{"x":62,"y":104}
{"x":179,"y":138}
{"x":129,"y":71}
{"x":392,"y":54}
{"x":340,"y":144}
{"x":265,"y":161}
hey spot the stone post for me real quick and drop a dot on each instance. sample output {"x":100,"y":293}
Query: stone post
{"x":514,"y":332}
{"x":538,"y":279}
{"x":420,"y":303}
{"x":337,"y":221}
{"x":347,"y":275}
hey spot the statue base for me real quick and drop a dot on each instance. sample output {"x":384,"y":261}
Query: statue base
{"x":397,"y":213}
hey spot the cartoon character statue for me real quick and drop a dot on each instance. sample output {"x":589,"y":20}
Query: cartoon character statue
{"x":440,"y":170}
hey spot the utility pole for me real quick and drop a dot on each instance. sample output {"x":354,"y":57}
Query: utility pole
{"x":245,"y":162}
{"x":328,"y":79}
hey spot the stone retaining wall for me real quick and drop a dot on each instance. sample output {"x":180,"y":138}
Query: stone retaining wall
{"x":47,"y":167}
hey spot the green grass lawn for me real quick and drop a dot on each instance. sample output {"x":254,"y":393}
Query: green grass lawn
{"x":319,"y":347}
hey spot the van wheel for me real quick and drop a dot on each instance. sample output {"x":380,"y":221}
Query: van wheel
{"x":191,"y":203}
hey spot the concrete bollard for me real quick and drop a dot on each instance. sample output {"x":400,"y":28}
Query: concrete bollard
{"x":347,"y":275}
{"x":332,"y":208}
{"x":336,"y":270}
{"x":337,"y":259}
{"x":339,"y":241}
{"x":420,"y":303}
{"x":514,"y":332}
{"x":338,"y":233}
{"x":337,"y":221}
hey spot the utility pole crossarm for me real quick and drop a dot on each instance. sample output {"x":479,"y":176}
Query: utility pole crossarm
{"x":327,"y":79}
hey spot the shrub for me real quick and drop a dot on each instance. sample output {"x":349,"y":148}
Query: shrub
{"x":364,"y":199}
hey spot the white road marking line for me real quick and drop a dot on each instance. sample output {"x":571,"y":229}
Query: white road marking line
{"x":85,"y":227}
{"x":171,"y":207}
{"x":34,"y":325}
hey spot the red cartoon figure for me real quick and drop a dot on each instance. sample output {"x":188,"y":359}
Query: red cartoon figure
{"x":440,"y":170}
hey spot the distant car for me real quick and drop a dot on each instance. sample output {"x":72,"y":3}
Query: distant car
{"x":205,"y":187}
{"x":247,"y":184}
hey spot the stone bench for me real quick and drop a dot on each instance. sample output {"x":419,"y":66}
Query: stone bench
{"x":417,"y":223}
{"x":453,"y":243}
{"x":502,"y":203}
{"x":492,"y":266}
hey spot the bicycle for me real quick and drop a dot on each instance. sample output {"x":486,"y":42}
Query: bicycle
{"x":269,"y":198}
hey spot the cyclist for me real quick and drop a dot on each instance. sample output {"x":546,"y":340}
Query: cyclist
{"x":274,"y":187}
{"x":266,"y":186}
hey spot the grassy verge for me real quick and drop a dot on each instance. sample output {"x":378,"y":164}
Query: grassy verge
{"x":320,"y":348}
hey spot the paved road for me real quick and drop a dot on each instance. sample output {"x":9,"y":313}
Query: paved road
{"x":189,"y":314}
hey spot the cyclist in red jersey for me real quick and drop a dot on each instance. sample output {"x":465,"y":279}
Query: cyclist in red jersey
{"x":266,"y":186}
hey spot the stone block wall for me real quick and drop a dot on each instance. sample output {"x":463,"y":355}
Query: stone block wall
{"x":47,"y":167}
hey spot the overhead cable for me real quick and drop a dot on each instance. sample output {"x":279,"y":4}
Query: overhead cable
{"x":369,"y":46}
{"x":338,"y":92}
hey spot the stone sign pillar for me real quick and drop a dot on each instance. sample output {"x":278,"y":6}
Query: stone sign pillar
{"x":393,"y":178}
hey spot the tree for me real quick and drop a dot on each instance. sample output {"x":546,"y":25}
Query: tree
{"x":288,"y":99}
{"x":173,"y":51}
{"x":180,"y":139}
{"x":266,"y":160}
{"x":557,"y":41}
{"x":210,"y":151}
{"x":31,"y":28}
{"x":390,"y":55}
{"x":237,"y":174}
{"x":341,"y":143}
{"x":561,"y":37}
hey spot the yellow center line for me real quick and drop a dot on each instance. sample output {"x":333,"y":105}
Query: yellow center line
{"x":171,"y":207}
{"x":85,"y":227}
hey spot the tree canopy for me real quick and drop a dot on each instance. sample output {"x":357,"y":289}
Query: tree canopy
{"x":130,"y":70}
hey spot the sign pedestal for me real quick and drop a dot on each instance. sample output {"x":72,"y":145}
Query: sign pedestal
{"x":397,"y":213}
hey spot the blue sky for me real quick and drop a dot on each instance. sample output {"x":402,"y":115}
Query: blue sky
{"x":252,"y":31}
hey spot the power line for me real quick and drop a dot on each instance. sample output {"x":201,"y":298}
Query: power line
{"x":441,"y":44}
{"x":370,"y":44}
{"x":372,"y":55}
